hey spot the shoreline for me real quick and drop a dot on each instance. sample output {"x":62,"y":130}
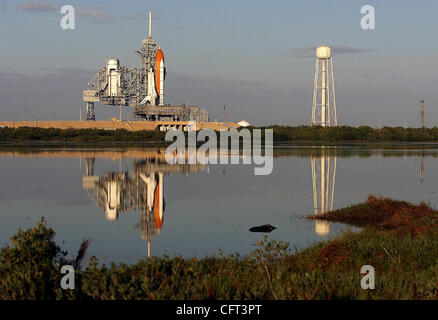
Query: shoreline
{"x":158,"y":143}
{"x":282,"y":136}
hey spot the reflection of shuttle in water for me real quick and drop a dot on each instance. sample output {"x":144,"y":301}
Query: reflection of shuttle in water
{"x":151,"y":220}
{"x":140,"y":189}
{"x":323,"y":181}
{"x":155,"y":196}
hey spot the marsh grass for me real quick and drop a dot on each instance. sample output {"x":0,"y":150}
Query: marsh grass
{"x":401,"y":217}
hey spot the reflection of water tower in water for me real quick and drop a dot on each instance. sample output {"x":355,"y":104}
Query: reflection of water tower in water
{"x":324,"y":100}
{"x":323,"y":181}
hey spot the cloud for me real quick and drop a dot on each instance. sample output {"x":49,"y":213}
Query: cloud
{"x":143,"y":16}
{"x":96,"y":14}
{"x":37,"y":7}
{"x":346,"y":49}
{"x":43,"y":93}
{"x":214,"y":81}
{"x":310,"y":51}
{"x":44,"y":78}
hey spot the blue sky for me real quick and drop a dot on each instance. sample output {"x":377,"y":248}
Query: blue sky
{"x":254,"y":56}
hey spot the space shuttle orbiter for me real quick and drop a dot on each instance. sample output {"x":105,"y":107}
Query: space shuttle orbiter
{"x":152,"y":93}
{"x":155,"y":76}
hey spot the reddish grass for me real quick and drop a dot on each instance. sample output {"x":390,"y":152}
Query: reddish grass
{"x":401,"y":217}
{"x":333,"y":254}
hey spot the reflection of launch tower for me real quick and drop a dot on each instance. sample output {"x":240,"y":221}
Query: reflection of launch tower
{"x":323,"y":180}
{"x":324,"y":100}
{"x":140,"y":189}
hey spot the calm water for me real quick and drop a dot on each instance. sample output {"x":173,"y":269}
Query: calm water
{"x":130,"y":203}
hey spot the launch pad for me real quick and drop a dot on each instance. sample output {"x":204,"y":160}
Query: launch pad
{"x":171,"y":113}
{"x":140,"y":88}
{"x":115,"y":124}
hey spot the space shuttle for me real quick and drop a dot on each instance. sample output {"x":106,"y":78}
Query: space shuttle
{"x":155,"y":76}
{"x":151,"y":97}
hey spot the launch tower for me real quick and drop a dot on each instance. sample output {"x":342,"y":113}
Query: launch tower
{"x":141,"y":88}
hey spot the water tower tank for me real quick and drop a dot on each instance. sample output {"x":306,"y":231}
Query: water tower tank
{"x":323,"y":52}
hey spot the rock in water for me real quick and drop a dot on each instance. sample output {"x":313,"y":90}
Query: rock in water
{"x":263,"y":228}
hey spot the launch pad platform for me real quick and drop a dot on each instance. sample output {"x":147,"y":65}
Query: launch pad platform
{"x":114,"y":124}
{"x":171,"y":113}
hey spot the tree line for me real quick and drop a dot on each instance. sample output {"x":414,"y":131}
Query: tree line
{"x":281,"y":134}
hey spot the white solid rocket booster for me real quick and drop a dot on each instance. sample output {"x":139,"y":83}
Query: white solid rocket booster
{"x":159,"y":75}
{"x":161,"y":82}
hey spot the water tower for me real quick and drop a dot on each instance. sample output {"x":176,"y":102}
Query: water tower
{"x":324,"y":101}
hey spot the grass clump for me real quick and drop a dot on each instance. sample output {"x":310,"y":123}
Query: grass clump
{"x":399,"y":216}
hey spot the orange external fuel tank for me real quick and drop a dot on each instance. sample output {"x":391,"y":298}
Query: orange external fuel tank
{"x":158,"y":213}
{"x":159,"y":65}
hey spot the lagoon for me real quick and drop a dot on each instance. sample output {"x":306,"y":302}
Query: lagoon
{"x":132,"y":204}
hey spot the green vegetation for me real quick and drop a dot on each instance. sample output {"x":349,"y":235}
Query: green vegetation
{"x":78,"y":135}
{"x":282,"y":134}
{"x":398,"y":238}
{"x":346,"y":133}
{"x":29,"y":268}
